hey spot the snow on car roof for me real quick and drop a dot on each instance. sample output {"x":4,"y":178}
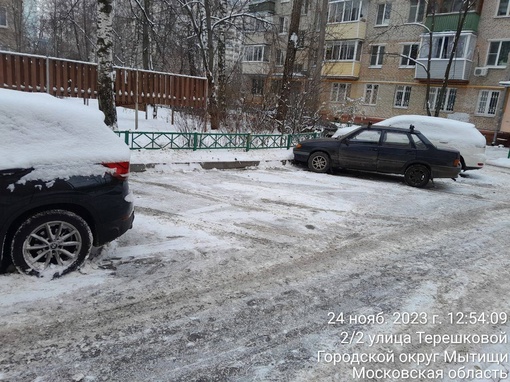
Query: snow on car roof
{"x":438,"y":128}
{"x":39,"y":129}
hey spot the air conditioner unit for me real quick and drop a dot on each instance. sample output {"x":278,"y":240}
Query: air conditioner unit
{"x":481,"y":71}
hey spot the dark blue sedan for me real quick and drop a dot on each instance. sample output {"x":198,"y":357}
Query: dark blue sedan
{"x":381,"y":149}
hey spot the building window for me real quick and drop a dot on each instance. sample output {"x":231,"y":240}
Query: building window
{"x":504,"y":8}
{"x":409,"y":55}
{"x":341,"y":11}
{"x":257,"y":25}
{"x":280,"y":57}
{"x":487,"y":102}
{"x":339,"y":91}
{"x":383,"y":14}
{"x":300,"y":43}
{"x":371,"y":91}
{"x":3,"y":17}
{"x":257,"y":86}
{"x":416,"y":11}
{"x":449,"y":99}
{"x":498,"y":53}
{"x":402,"y":96}
{"x":283,"y":25}
{"x":306,"y":5}
{"x":343,"y":51}
{"x":255,"y":53}
{"x":449,"y":6}
{"x":376,"y":55}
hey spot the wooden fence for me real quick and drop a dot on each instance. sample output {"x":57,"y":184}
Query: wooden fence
{"x":67,"y":78}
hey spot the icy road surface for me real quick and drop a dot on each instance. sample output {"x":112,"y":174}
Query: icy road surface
{"x":270,"y":274}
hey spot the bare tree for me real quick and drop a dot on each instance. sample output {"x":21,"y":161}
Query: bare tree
{"x":288,"y":68}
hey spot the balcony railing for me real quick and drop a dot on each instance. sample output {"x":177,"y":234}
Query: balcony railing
{"x":450,"y":21}
{"x":460,"y":70}
{"x":341,"y":69}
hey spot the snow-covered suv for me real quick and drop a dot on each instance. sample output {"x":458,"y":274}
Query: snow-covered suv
{"x":63,"y":183}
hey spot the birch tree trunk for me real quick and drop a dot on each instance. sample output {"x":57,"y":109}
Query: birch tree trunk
{"x":105,"y":72}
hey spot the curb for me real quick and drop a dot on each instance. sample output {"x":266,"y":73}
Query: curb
{"x":225,"y":165}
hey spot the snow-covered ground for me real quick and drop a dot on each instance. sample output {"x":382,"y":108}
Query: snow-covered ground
{"x":246,"y":275}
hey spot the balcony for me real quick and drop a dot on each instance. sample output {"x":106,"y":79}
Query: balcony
{"x":460,"y":70}
{"x":347,"y":31}
{"x":267,"y":6}
{"x":344,"y":69}
{"x":449,"y":21}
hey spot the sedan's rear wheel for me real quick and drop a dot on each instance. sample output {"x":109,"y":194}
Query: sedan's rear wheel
{"x":417,"y":175}
{"x":319,"y":162}
{"x":56,"y":241}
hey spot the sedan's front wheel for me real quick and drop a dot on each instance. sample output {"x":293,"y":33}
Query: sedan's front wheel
{"x":417,"y":175}
{"x":319,"y":162}
{"x":55,"y":241}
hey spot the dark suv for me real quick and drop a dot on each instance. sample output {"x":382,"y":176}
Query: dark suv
{"x":55,"y":205}
{"x":381,"y":149}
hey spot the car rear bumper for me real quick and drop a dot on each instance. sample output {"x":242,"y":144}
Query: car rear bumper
{"x":445,"y":172}
{"x":114,"y":229}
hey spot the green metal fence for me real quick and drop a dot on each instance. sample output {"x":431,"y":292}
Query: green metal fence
{"x":151,"y":140}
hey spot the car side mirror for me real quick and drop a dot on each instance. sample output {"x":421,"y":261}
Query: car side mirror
{"x":346,"y":141}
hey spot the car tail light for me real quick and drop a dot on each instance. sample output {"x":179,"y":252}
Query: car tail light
{"x":456,"y":163}
{"x":121,"y":169}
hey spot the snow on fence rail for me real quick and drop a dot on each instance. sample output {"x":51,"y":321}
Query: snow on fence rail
{"x":138,"y":140}
{"x":67,"y":78}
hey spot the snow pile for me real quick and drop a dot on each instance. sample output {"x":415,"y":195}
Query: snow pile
{"x":39,"y":130}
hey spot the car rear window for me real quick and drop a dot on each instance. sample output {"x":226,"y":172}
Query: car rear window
{"x":420,"y":145}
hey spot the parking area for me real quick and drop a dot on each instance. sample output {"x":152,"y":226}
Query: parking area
{"x":274,"y":273}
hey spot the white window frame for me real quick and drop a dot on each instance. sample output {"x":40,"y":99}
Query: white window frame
{"x":502,"y":4}
{"x":442,"y":46}
{"x":498,"y":56}
{"x":337,"y":11}
{"x":404,"y":91}
{"x":449,"y":99}
{"x":339,"y":91}
{"x":370,"y":94}
{"x":416,"y":11}
{"x":3,"y":15}
{"x":377,"y":52}
{"x":485,"y":106}
{"x":254,"y":53}
{"x":383,"y":14}
{"x":342,"y":50}
{"x":409,"y":62}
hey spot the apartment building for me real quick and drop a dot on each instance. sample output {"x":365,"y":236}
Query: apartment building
{"x":8,"y":23}
{"x":375,"y":58}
